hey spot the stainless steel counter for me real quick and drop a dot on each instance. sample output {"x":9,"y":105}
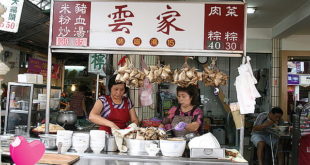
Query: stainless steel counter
{"x":115,"y":158}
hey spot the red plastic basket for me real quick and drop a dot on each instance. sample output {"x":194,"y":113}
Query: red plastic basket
{"x":149,"y":123}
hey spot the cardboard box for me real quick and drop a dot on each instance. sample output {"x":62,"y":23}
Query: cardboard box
{"x":214,"y":153}
{"x":30,"y":78}
{"x":27,"y":78}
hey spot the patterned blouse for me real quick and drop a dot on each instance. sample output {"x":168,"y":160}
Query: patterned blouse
{"x":106,"y":107}
{"x":197,"y":116}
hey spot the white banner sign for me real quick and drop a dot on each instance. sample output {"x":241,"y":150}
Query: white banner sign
{"x":168,"y":26}
{"x":10,"y":13}
{"x":147,"y":26}
{"x":96,"y":63}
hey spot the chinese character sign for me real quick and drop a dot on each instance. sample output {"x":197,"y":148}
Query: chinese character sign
{"x":119,"y":17}
{"x":166,"y":21}
{"x":147,"y":26}
{"x":10,"y":13}
{"x":135,"y":25}
{"x":224,"y":27}
{"x":71,"y":23}
{"x":96,"y":63}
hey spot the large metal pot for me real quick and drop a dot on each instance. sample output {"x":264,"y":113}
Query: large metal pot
{"x":66,"y":118}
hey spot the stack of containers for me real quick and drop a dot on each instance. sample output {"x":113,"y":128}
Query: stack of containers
{"x":97,"y":140}
{"x":80,"y":142}
{"x":64,"y":140}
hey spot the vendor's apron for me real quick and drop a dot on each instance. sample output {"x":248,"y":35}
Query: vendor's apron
{"x":186,"y":119}
{"x":118,"y":116}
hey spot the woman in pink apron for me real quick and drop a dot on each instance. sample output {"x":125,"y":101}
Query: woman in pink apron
{"x":187,"y":116}
{"x":114,"y":110}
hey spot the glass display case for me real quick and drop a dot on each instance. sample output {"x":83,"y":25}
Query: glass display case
{"x":26,"y":106}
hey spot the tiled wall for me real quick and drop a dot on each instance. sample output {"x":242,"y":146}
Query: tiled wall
{"x":275,"y":72}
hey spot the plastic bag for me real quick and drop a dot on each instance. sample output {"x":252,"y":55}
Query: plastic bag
{"x":147,"y":89}
{"x":146,"y":93}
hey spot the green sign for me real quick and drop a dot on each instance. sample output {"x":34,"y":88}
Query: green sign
{"x":96,"y":63}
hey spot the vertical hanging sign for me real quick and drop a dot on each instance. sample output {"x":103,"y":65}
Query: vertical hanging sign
{"x":96,"y":63}
{"x":10,"y":13}
{"x":224,"y":27}
{"x":71,"y":23}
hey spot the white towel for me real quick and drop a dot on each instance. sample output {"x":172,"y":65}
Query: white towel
{"x":119,"y":136}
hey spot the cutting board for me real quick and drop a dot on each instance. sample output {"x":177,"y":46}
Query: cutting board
{"x":59,"y":159}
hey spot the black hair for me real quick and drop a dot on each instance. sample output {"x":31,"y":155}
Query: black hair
{"x":275,"y":110}
{"x":4,"y":86}
{"x":112,"y":81}
{"x":192,"y":92}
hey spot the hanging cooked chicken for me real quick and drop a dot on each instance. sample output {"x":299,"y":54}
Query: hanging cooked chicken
{"x":159,"y":74}
{"x":133,"y":77}
{"x":213,"y":77}
{"x":186,"y":76}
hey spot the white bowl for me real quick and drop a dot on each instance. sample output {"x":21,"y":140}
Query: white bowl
{"x":80,"y":149}
{"x":96,"y":149}
{"x":172,"y":147}
{"x":97,"y":133}
{"x":64,"y":133}
{"x":79,"y":139}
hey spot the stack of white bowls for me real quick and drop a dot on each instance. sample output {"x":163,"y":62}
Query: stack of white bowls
{"x":65,"y":138}
{"x":97,"y":140}
{"x":80,"y":142}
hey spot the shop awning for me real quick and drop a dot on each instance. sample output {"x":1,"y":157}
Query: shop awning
{"x":33,"y":29}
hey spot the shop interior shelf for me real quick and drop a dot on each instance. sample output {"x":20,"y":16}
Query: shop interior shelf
{"x":19,"y":111}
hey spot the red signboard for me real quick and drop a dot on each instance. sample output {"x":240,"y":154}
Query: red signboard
{"x":71,"y":23}
{"x":224,"y":27}
{"x":40,"y":67}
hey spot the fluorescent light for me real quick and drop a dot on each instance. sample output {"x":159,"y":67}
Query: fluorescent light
{"x":78,"y":68}
{"x":251,"y":10}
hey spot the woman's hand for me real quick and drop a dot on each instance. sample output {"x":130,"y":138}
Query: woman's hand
{"x":180,"y":126}
{"x":161,"y":126}
{"x":114,"y":126}
{"x":95,"y":116}
{"x":133,"y":116}
{"x":192,"y":127}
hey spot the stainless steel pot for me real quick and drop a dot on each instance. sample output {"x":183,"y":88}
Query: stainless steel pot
{"x":110,"y":144}
{"x":137,"y":147}
{"x":49,"y":141}
{"x":66,"y":118}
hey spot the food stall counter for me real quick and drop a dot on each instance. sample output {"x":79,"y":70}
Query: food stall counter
{"x":126,"y":159}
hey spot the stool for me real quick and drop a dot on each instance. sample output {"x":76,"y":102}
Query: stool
{"x":253,"y":155}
